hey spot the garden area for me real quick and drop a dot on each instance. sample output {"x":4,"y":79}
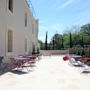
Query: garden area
{"x":74,"y":37}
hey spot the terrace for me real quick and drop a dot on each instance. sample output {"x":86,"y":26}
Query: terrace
{"x":50,"y":73}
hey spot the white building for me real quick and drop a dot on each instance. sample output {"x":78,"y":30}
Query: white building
{"x":18,"y":29}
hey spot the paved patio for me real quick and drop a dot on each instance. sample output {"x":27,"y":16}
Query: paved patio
{"x":50,"y":73}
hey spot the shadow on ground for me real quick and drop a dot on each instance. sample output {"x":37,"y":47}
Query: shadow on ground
{"x":78,"y":65}
{"x":86,"y":72}
{"x":19,"y":72}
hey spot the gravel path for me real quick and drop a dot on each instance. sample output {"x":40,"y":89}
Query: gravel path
{"x":50,"y":73}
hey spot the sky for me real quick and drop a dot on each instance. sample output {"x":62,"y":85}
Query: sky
{"x":57,"y":15}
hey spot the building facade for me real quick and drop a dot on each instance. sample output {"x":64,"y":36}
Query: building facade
{"x":18,"y":29}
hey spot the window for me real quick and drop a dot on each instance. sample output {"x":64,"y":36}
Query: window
{"x":25,"y":19}
{"x":25,"y":45}
{"x":10,"y":5}
{"x":32,"y":28}
{"x":10,"y":40}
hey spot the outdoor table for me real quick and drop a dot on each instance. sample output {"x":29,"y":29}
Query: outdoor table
{"x":77,"y":58}
{"x":31,"y":57}
{"x":21,"y":61}
{"x":38,"y":55}
{"x":76,"y":61}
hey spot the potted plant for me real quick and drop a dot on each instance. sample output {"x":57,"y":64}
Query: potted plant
{"x":38,"y":51}
{"x":33,"y":52}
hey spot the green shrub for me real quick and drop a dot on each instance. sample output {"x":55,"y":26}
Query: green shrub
{"x":88,"y":53}
{"x":38,"y":51}
{"x":86,"y":62}
{"x":33,"y":50}
{"x":82,"y":52}
{"x":78,"y":53}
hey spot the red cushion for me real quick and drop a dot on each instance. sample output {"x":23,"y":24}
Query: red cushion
{"x":65,"y":58}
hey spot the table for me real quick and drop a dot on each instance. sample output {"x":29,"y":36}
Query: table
{"x":77,"y":58}
{"x":76,"y":61}
{"x":32,"y":57}
{"x":21,"y":59}
{"x":19,"y":62}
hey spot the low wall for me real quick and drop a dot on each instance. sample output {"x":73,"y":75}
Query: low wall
{"x":54,"y":52}
{"x":77,"y":49}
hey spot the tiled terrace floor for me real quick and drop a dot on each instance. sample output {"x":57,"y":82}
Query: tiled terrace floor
{"x":50,"y":73}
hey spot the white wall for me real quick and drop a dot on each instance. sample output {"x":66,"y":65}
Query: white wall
{"x":16,"y":22}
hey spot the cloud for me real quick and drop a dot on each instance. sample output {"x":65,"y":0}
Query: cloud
{"x":66,"y":4}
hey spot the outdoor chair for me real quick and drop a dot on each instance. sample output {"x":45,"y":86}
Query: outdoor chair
{"x":65,"y":58}
{"x":74,"y":61}
{"x":16,"y":64}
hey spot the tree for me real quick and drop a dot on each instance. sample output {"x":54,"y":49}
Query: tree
{"x":41,"y":44}
{"x":70,"y":40}
{"x":56,"y":41}
{"x":53,"y":43}
{"x":46,"y":42}
{"x":62,"y":43}
{"x":85,"y":29}
{"x":82,"y":42}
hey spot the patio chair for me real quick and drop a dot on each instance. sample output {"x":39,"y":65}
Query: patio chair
{"x":16,"y":64}
{"x":76,"y":63}
{"x":65,"y":58}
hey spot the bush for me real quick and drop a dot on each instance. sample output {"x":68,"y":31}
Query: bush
{"x":88,"y":53}
{"x":86,"y":62}
{"x":82,"y":52}
{"x":38,"y":51}
{"x":78,"y":53}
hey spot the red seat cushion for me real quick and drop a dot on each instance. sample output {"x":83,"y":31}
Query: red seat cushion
{"x":65,"y":58}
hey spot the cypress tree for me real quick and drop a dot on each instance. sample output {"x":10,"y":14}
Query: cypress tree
{"x":78,"y":53}
{"x":71,"y":40}
{"x":62,"y":43}
{"x":82,"y":52}
{"x":53,"y":43}
{"x":82,"y":42}
{"x":46,"y":42}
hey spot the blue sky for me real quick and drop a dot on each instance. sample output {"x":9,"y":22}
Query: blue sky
{"x":57,"y":15}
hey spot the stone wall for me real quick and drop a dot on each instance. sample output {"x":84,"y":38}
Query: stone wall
{"x":54,"y":52}
{"x":57,"y":52}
